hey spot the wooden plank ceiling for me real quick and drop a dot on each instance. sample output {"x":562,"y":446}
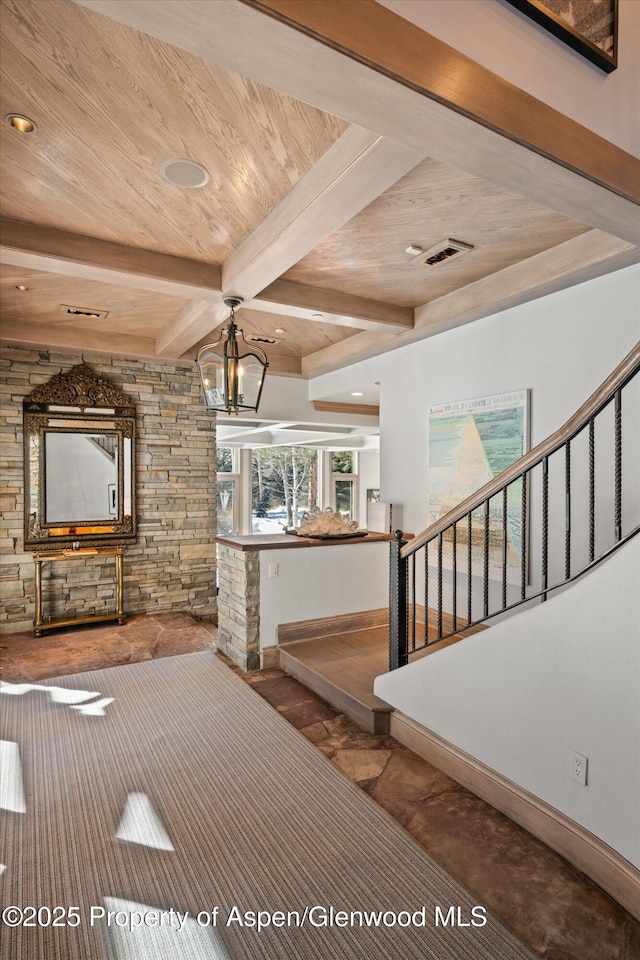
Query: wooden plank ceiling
{"x":310,"y":205}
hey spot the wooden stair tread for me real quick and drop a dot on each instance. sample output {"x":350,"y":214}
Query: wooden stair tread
{"x":341,"y":668}
{"x":342,"y":671}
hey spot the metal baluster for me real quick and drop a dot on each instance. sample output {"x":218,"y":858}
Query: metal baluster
{"x":567,"y":498}
{"x":413,"y":601}
{"x":486,"y":558}
{"x":406,"y":606}
{"x":439,"y":585}
{"x":469,"y":567}
{"x":523,"y":538}
{"x":592,"y":489}
{"x":545,"y":525}
{"x":398,"y":654}
{"x":426,"y":593}
{"x":454,"y":575}
{"x":504,"y":548}
{"x":618,"y":466}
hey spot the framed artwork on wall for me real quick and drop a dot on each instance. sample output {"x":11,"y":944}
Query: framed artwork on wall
{"x":588,"y":26}
{"x":470,"y":442}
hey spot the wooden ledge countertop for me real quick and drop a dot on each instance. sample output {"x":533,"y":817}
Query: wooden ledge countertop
{"x":279,"y":541}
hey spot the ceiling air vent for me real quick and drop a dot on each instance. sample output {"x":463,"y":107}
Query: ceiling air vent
{"x":86,"y":312}
{"x":270,"y":340}
{"x":441,"y":252}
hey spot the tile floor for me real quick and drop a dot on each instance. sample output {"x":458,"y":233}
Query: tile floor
{"x":548,"y":904}
{"x":59,"y":653}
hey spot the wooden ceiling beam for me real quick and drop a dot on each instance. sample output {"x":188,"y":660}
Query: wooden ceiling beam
{"x":384,"y":40}
{"x":195,"y":321}
{"x":46,"y":336}
{"x":465,"y":115}
{"x":284,"y":366}
{"x":71,"y":255}
{"x":369,"y":343}
{"x":56,"y":251}
{"x":342,"y":309}
{"x":581,"y":258}
{"x":348,"y":177}
{"x":334,"y":406}
{"x":584,"y":257}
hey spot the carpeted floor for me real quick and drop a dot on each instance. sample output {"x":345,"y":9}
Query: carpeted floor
{"x":170,"y":785}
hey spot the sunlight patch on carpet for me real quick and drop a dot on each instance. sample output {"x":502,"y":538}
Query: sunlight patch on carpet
{"x":11,"y":789}
{"x":138,"y":931}
{"x":141,"y":824}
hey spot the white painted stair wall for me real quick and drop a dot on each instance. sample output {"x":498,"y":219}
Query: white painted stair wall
{"x":556,"y":678}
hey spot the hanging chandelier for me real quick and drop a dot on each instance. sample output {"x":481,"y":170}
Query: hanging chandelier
{"x":232,"y":372}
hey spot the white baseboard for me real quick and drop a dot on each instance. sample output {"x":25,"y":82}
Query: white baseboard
{"x":600,"y":862}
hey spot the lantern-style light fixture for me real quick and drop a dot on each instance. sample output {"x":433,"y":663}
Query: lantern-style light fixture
{"x":232,"y":371}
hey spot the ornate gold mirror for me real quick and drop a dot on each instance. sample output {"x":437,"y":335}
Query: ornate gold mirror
{"x":79,"y":463}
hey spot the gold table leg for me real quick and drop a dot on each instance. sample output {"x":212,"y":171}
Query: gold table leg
{"x":120,"y":589}
{"x":37,"y":623}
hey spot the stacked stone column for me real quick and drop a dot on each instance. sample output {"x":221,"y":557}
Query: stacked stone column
{"x":239,"y":606}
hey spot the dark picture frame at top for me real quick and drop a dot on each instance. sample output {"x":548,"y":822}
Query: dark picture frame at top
{"x":593,"y":32}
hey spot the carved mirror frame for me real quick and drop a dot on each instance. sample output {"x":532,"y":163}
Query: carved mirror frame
{"x":78,"y":402}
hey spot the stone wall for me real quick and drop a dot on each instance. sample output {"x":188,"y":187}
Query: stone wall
{"x":239,"y":606}
{"x":172,"y":565}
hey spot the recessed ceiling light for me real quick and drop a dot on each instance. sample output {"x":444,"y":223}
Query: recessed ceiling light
{"x":21,"y":123}
{"x":413,"y":249}
{"x":21,"y":287}
{"x":280,"y":330}
{"x":357,"y":393}
{"x":316,"y":316}
{"x":185,"y":173}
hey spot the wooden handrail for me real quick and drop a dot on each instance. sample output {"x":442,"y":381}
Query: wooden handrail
{"x":622,"y":373}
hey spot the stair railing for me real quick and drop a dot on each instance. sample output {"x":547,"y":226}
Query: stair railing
{"x":572,"y":509}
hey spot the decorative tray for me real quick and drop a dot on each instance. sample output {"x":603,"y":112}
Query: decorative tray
{"x":328,"y":536}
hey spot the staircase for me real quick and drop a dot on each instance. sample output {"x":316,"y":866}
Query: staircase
{"x":571,"y":514}
{"x":567,"y":504}
{"x":340,"y":657}
{"x":341,"y":669}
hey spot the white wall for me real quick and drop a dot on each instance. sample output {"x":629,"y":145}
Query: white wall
{"x":321,"y":582}
{"x":513,"y":46}
{"x":368,"y":478}
{"x":561,"y":677}
{"x":561,"y":347}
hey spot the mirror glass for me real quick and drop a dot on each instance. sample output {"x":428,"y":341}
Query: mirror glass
{"x":81,"y":476}
{"x":79,"y":463}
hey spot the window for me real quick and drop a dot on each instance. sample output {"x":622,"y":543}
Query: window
{"x":228,"y":486}
{"x":284,"y":483}
{"x":344,"y":483}
{"x":343,"y":461}
{"x":227,"y":460}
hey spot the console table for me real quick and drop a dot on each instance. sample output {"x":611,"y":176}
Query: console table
{"x":41,"y":623}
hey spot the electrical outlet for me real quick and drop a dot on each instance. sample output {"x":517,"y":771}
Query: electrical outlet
{"x":274,"y":570}
{"x":578,"y":769}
